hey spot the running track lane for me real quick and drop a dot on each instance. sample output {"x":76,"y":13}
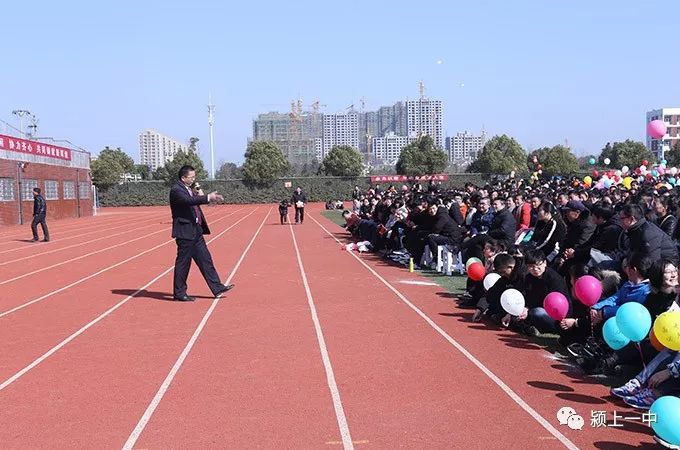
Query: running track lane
{"x":90,"y":393}
{"x":543,"y":383}
{"x":255,"y":378}
{"x":401,"y":384}
{"x":20,"y":237}
{"x":23,"y":288}
{"x":61,"y":314}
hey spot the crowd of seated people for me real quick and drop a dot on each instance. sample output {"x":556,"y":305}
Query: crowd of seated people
{"x":539,"y":237}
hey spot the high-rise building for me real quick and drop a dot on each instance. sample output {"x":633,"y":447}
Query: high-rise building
{"x":671,"y":116}
{"x":387,"y":149}
{"x":156,"y":149}
{"x":298,"y":137}
{"x":368,"y":129}
{"x":392,"y":119}
{"x":465,"y":147}
{"x":424,"y":117}
{"x":340,"y":129}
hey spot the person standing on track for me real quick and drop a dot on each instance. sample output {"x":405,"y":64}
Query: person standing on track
{"x":299,"y":199}
{"x":39,"y":215}
{"x":188,"y":228}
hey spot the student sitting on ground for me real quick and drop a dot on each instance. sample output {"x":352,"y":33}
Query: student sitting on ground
{"x":540,"y":281}
{"x":490,"y":304}
{"x":475,"y":289}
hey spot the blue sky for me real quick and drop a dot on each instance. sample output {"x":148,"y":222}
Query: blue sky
{"x":541,"y":71}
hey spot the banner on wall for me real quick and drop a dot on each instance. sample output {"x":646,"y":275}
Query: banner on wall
{"x":402,"y":178}
{"x":13,"y":144}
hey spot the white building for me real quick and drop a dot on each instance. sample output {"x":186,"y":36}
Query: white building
{"x":465,"y":147}
{"x":340,"y":129}
{"x":424,"y":117}
{"x":672,"y":118}
{"x":156,"y":149}
{"x":387,"y":149}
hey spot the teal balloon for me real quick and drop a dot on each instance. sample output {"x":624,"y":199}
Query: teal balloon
{"x":607,"y":183}
{"x":664,"y":162}
{"x":672,"y":180}
{"x":667,"y":425}
{"x":591,"y":161}
{"x":655,"y":173}
{"x":613,"y":336}
{"x":634,"y":321}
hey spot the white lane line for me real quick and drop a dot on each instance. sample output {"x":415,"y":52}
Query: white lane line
{"x":104,"y":227}
{"x":79,"y":244}
{"x":524,"y":405}
{"x":54,"y":349}
{"x":28,"y":274}
{"x":330,"y":376}
{"x":82,"y":280}
{"x":144,"y":420}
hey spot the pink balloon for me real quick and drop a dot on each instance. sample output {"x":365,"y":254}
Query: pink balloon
{"x":661,"y":170}
{"x":656,"y":129}
{"x":588,"y":290}
{"x":556,"y":305}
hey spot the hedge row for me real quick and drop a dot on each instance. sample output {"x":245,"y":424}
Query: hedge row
{"x":318,"y":189}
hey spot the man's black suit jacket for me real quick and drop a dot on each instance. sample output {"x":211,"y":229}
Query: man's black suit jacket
{"x":183,"y":216}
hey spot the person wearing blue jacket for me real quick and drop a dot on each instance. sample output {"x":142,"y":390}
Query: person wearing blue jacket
{"x":636,"y":289}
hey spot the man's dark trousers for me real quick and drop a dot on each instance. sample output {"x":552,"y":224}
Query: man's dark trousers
{"x":196,"y":249}
{"x":299,"y":214}
{"x":40,"y":219}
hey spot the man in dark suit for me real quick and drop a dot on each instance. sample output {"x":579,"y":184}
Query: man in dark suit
{"x":39,"y":215}
{"x":188,"y":228}
{"x":299,"y":199}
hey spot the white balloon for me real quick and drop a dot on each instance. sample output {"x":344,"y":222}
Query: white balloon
{"x":674,"y":171}
{"x":618,"y":173}
{"x":643,"y":168}
{"x":625,"y":169}
{"x":512,"y":302}
{"x":490,"y":280}
{"x":607,"y":161}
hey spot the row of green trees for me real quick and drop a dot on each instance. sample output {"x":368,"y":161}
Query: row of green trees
{"x":264,"y":161}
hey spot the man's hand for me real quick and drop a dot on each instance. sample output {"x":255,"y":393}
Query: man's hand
{"x":658,"y":378}
{"x":214,"y":196}
{"x":569,"y":253}
{"x":505,"y":321}
{"x":565,"y":324}
{"x":595,"y":316}
{"x":523,"y":315}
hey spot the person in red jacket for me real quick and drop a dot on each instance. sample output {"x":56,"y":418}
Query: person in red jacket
{"x":522,"y":212}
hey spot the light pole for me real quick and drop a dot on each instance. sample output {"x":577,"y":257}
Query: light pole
{"x":20,"y":113}
{"x":211,"y":121}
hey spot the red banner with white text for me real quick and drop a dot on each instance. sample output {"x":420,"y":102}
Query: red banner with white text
{"x":13,"y":144}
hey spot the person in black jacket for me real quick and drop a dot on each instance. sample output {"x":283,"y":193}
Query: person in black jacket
{"x":444,"y":231}
{"x":39,"y":215}
{"x":549,"y":232}
{"x":665,"y":215}
{"x":298,"y":200}
{"x":503,"y":224}
{"x":645,"y":237}
{"x":188,"y":227}
{"x":579,"y":228}
{"x":540,"y":281}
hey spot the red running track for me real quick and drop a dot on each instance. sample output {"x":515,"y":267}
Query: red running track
{"x":314,"y":348}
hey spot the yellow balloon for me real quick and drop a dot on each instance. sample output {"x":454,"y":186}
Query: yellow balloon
{"x":667,"y":330}
{"x":588,"y":180}
{"x":626,"y":182}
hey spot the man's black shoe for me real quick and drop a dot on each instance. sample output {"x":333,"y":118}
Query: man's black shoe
{"x":35,"y":239}
{"x":185,"y":298}
{"x":224,"y":290}
{"x":46,"y":240}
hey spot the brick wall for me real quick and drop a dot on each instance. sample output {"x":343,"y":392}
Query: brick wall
{"x":56,"y":209}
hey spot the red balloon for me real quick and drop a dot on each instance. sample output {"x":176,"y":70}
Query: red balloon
{"x":645,"y":163}
{"x":588,"y":290}
{"x":596,"y":174}
{"x":476,"y":271}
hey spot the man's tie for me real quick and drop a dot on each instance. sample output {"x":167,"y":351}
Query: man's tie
{"x":197,"y":211}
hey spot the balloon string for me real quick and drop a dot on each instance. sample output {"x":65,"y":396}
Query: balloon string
{"x":641,"y":356}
